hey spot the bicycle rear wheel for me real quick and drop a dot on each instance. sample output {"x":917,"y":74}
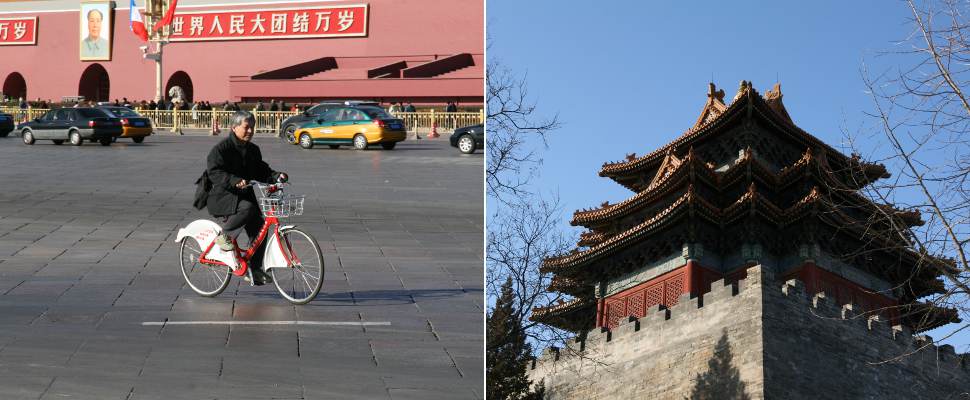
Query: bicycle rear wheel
{"x":301,"y":281}
{"x":206,"y":280}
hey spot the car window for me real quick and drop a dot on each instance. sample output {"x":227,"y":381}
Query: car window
{"x":354,"y":115}
{"x":92,"y":113}
{"x":331,"y":115}
{"x":341,"y":115}
{"x":318,"y":109}
{"x":375,"y":112}
{"x":49,"y":115}
{"x":63,"y":114}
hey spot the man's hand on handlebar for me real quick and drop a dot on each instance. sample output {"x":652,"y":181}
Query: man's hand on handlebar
{"x":283,"y":177}
{"x":242,"y":184}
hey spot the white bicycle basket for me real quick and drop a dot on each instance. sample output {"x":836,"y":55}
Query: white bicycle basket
{"x":277,"y":204}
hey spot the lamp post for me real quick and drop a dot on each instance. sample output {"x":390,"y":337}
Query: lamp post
{"x":154,"y":11}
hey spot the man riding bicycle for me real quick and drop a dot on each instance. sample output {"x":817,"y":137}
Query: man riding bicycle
{"x":232,"y":165}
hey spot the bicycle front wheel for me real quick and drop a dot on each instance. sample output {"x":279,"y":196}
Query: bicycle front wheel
{"x":206,"y":280}
{"x":301,"y":281}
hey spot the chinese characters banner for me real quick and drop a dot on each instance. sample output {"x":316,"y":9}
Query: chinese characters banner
{"x":18,"y":31}
{"x":325,"y":21}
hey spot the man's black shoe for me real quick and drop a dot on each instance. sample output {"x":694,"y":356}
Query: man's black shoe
{"x":261,"y":278}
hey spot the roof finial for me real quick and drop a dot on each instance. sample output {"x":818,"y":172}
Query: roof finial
{"x":741,"y":89}
{"x":631,"y":156}
{"x":714,"y":94}
{"x":774,"y":93}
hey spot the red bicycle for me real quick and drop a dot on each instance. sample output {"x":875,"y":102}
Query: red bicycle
{"x":292,"y":257}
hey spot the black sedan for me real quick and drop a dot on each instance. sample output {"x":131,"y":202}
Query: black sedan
{"x":468,"y":138}
{"x":73,"y":124}
{"x":6,"y":124}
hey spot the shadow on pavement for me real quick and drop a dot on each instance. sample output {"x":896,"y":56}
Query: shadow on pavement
{"x":375,"y":297}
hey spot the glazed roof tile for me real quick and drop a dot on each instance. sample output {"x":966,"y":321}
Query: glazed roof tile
{"x":746,"y":95}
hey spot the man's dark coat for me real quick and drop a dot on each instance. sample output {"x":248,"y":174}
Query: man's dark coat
{"x":229,"y":162}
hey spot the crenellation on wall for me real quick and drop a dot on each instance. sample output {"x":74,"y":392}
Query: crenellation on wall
{"x":720,"y":291}
{"x":685,"y":305}
{"x":778,"y":335}
{"x":628,"y":326}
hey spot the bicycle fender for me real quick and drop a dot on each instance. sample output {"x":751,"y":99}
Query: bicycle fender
{"x":273,"y":257}
{"x":203,"y":230}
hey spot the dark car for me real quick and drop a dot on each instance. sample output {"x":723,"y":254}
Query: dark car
{"x":290,"y":125}
{"x":468,"y":138}
{"x":72,"y":124}
{"x":134,"y":125}
{"x":6,"y":124}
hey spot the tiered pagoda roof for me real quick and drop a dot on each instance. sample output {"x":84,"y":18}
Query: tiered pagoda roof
{"x":743,"y":173}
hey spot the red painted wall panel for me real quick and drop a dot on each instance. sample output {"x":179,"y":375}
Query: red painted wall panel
{"x":396,"y":28}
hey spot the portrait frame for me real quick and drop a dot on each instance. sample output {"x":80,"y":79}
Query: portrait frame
{"x":95,"y":49}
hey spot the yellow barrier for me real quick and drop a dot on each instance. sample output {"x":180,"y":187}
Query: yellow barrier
{"x":269,"y":121}
{"x":22,"y":115}
{"x":443,"y":121}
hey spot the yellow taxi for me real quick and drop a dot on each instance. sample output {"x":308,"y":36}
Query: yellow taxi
{"x":359,"y":126}
{"x":134,"y":125}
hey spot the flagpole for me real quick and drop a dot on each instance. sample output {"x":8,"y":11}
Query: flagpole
{"x":154,"y":14}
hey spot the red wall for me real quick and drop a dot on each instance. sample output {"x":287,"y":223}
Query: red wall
{"x":396,"y":28}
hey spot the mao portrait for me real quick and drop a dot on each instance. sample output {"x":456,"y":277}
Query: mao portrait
{"x":95,"y":30}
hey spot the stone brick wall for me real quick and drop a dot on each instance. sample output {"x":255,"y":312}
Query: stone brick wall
{"x":816,"y":349}
{"x":765,"y":335}
{"x":661,"y":355}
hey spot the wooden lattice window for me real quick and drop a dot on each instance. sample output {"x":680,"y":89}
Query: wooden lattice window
{"x":674,"y":288}
{"x":634,"y":305}
{"x":654,"y":295}
{"x":614,"y":311}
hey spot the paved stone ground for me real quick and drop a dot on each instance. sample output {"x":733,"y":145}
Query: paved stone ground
{"x":87,"y":255}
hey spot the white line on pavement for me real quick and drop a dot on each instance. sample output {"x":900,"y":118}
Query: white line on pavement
{"x":319,"y":323}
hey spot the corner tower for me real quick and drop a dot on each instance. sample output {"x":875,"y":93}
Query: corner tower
{"x":743,"y":188}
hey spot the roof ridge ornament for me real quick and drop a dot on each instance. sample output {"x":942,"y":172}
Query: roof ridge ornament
{"x":742,"y":87}
{"x":714,"y":94}
{"x":713,"y":107}
{"x":773,"y":100}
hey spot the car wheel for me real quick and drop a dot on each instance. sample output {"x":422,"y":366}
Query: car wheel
{"x":105,"y":142}
{"x":360,"y":142}
{"x":333,"y":146}
{"x":388,"y":146}
{"x":4,"y":134}
{"x":306,"y":141}
{"x":28,"y":136}
{"x":138,"y":139}
{"x":466,"y":144}
{"x":75,"y":137}
{"x":58,"y":141}
{"x":288,"y":134}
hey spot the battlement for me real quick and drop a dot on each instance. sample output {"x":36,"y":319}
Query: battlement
{"x":767,"y":321}
{"x":875,"y":326}
{"x":651,"y":323}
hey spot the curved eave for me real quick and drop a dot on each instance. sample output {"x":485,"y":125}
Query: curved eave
{"x":574,"y":315}
{"x":619,"y":171}
{"x":593,"y":218}
{"x":570,"y":286}
{"x":688,"y":201}
{"x":926,"y":316}
{"x":748,"y":204}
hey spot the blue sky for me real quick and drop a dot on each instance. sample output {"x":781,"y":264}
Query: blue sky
{"x":631,"y":76}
